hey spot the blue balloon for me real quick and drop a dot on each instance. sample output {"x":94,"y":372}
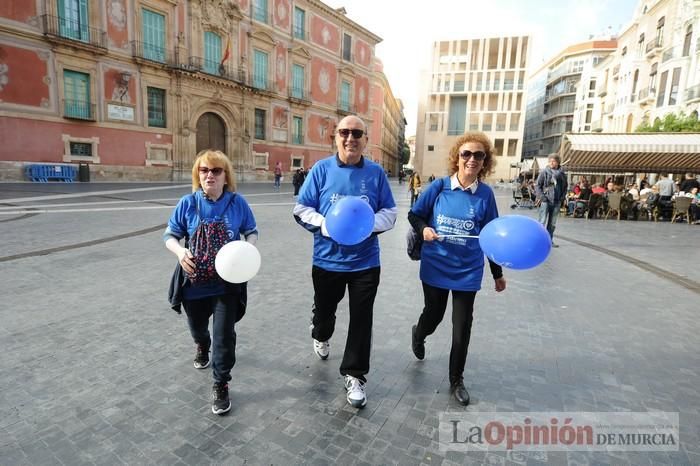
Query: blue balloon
{"x":350,"y":221}
{"x":515,"y":241}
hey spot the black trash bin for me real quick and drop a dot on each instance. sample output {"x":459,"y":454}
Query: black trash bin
{"x":84,"y":172}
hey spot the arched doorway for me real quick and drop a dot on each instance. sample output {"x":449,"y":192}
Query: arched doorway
{"x":211,"y":132}
{"x":628,"y":129}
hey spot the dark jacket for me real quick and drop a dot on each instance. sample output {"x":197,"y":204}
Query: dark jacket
{"x":551,"y":185}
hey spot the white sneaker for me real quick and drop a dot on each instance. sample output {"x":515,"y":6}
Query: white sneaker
{"x":356,"y":391}
{"x":322,"y":349}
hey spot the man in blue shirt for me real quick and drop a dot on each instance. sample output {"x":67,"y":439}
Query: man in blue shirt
{"x":336,"y":266}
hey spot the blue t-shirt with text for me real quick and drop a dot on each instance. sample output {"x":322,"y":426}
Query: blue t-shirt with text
{"x":454,"y":263}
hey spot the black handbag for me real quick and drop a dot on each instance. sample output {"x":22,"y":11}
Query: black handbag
{"x":177,"y":283}
{"x":414,"y":244}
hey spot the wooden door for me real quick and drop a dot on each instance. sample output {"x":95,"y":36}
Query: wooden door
{"x":211,"y":133}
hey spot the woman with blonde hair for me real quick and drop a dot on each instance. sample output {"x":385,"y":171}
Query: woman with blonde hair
{"x":213,"y":215}
{"x":451,"y":209}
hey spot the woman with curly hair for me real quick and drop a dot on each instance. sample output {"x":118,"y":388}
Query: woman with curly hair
{"x":450,"y":210}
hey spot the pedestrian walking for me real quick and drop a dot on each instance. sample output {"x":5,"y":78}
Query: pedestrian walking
{"x":550,"y":190}
{"x":213,"y":215}
{"x":336,"y":266}
{"x":460,"y":204}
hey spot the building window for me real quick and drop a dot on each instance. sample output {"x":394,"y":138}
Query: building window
{"x":82,"y":149}
{"x":458,"y":116}
{"x":260,"y":123}
{"x":259,"y":69}
{"x":297,"y":130}
{"x":660,"y":31}
{"x":153,"y":35}
{"x":260,"y":10}
{"x":76,"y":93}
{"x":212,"y":52}
{"x":640,"y":45}
{"x":624,"y":50}
{"x":297,"y":81}
{"x":687,"y":40}
{"x":431,"y":148}
{"x":156,"y":107}
{"x":433,"y":122}
{"x":73,"y":20}
{"x":297,"y":161}
{"x":347,"y":47}
{"x":299,"y":23}
{"x":345,"y":96}
{"x":662,"y":90}
{"x":675,"y":80}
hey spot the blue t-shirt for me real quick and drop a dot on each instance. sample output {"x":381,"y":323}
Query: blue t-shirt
{"x":231,"y":208}
{"x":329,"y":181}
{"x":454,"y":263}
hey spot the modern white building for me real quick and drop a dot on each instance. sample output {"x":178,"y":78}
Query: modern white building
{"x":473,"y":85}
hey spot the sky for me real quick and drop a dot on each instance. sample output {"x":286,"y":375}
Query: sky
{"x":407,"y":32}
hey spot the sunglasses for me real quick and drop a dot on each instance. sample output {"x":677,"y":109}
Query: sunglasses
{"x":216,"y":170}
{"x":478,"y":155}
{"x":356,"y":133}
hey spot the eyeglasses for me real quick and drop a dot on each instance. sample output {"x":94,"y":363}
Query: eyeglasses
{"x":216,"y":170}
{"x":356,"y":133}
{"x":478,"y":155}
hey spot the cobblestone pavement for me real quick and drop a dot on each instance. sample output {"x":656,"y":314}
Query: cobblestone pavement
{"x":96,"y":369}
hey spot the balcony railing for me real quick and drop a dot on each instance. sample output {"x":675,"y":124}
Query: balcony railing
{"x":213,"y":68}
{"x":78,"y":109}
{"x":692,"y":94}
{"x":616,"y":70}
{"x":345,"y":108}
{"x":668,"y":55}
{"x":299,"y":94}
{"x":646,"y":95}
{"x":554,"y":94}
{"x":152,"y":53}
{"x":56,"y":26}
{"x":260,"y":82}
{"x":654,"y":46}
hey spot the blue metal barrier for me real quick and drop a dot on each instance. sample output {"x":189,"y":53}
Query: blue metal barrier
{"x":43,"y":173}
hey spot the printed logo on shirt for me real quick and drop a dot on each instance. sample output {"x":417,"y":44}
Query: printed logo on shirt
{"x":335,"y":197}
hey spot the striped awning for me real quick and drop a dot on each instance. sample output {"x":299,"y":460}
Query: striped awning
{"x":638,"y":152}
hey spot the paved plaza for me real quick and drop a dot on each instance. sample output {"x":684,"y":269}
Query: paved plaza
{"x":96,"y":368}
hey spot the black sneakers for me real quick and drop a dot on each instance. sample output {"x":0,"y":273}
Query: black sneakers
{"x":220,"y":402}
{"x":201,"y":357}
{"x":418,"y":346}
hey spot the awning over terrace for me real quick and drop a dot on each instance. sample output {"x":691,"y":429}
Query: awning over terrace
{"x":637,"y":152}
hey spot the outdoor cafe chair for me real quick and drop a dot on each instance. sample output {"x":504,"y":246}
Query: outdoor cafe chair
{"x":614,"y":201}
{"x":681,"y":208}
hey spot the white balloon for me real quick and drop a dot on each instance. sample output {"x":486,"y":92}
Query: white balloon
{"x":237,"y":261}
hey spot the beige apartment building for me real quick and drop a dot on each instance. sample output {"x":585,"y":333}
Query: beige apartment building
{"x":655,"y":69}
{"x":133,"y":89}
{"x":473,"y":85}
{"x":562,"y":97}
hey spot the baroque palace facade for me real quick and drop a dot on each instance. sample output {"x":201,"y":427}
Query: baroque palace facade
{"x":136,"y":88}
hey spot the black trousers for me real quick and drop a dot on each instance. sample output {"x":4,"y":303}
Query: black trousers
{"x":462,"y":317}
{"x":329,"y":289}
